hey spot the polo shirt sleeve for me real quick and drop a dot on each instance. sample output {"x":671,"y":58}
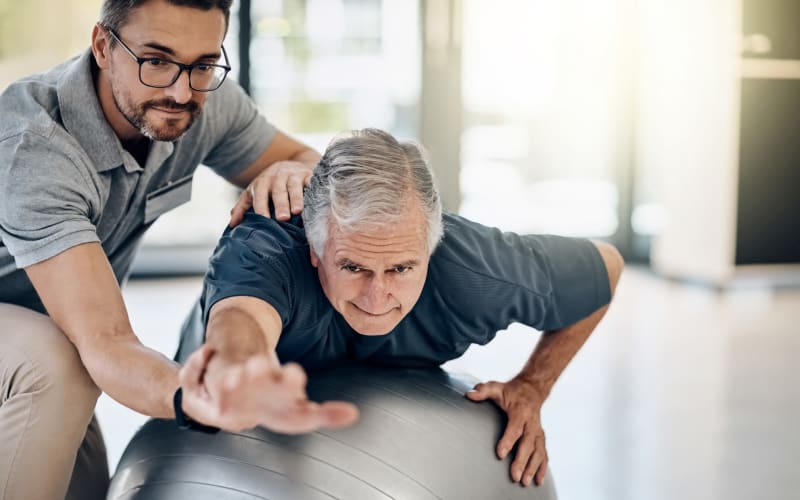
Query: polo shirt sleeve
{"x":492,"y":278}
{"x":249,"y":262}
{"x":46,"y":200}
{"x":241,"y":133}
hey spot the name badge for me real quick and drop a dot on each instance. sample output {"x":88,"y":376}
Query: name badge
{"x":165,"y":198}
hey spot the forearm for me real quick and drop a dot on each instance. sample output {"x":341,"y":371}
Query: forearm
{"x":556,"y":348}
{"x":523,"y":396}
{"x":308,"y":156}
{"x":236,"y":335}
{"x":241,"y":327}
{"x":96,"y":322}
{"x":134,"y":375}
{"x":554,"y":351}
{"x":235,"y":380}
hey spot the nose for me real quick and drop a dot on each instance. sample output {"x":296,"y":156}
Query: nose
{"x":377,"y":295}
{"x":180,"y":91}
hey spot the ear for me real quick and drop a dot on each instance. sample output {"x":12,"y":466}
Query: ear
{"x":101,"y":46}
{"x":314,"y":258}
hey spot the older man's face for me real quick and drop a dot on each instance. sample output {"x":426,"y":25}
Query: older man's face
{"x":374,"y":278}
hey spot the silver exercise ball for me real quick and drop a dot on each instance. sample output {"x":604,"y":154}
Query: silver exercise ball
{"x":418,"y":438}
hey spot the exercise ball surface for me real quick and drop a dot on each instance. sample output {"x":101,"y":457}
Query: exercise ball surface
{"x":418,"y":438}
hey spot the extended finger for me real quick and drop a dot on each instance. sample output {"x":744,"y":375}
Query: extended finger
{"x":244,"y":202}
{"x":309,"y":416}
{"x":196,"y":401}
{"x":295,"y":188}
{"x":537,"y":467}
{"x":510,"y":436}
{"x":294,"y":374}
{"x":285,"y":384}
{"x":486,"y":390}
{"x":228,"y":389}
{"x":337,"y":414}
{"x":300,"y":417}
{"x":280,"y":196}
{"x":259,"y":192}
{"x":190,"y":376}
{"x":522,"y":460}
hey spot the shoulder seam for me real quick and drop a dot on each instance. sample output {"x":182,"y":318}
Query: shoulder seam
{"x":48,"y":135}
{"x":494,"y":278}
{"x":65,"y":154}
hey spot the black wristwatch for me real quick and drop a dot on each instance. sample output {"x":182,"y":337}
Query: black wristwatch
{"x":183,"y":420}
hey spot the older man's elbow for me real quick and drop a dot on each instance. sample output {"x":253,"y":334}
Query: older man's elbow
{"x":613,"y":261}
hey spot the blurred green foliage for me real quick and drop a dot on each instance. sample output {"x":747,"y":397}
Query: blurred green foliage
{"x":16,"y":18}
{"x":310,"y":117}
{"x":37,"y":34}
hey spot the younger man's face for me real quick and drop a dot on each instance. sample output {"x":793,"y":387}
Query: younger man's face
{"x":161,"y":30}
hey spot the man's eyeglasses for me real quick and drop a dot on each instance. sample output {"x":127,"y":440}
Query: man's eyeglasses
{"x":161,"y":73}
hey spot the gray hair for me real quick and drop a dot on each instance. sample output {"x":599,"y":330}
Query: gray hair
{"x":365,"y":180}
{"x":114,"y":13}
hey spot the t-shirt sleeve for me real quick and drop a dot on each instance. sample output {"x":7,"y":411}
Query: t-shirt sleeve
{"x":578,"y":279}
{"x":242,"y":132}
{"x":46,"y":201}
{"x":248,"y":262}
{"x":544,"y":281}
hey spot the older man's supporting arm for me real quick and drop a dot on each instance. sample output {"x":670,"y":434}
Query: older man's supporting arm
{"x":522,"y":397}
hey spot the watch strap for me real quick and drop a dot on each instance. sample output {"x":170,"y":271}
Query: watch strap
{"x":184,"y":421}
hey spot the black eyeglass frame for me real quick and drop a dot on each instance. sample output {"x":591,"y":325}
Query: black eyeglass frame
{"x":182,"y":67}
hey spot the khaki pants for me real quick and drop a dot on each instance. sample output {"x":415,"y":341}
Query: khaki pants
{"x":50,"y":444}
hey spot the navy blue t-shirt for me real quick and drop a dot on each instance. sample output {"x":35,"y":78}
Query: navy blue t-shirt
{"x":479,"y":281}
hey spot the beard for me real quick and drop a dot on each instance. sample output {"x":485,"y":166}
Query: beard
{"x":169,"y":129}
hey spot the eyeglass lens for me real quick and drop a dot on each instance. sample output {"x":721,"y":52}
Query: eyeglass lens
{"x":160,"y":73}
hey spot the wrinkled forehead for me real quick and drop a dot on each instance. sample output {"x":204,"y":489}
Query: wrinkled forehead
{"x":402,"y":240}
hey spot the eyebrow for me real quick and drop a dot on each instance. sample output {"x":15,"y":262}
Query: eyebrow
{"x":169,"y":51}
{"x":347,"y":262}
{"x":408,"y":263}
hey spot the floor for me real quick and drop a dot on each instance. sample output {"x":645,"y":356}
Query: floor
{"x":682,"y":392}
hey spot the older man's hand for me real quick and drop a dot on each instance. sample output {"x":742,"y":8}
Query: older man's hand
{"x":283,"y":182}
{"x":240,"y":394}
{"x":522,"y":403}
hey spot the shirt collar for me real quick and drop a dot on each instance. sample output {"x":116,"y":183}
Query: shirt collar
{"x":84,"y":120}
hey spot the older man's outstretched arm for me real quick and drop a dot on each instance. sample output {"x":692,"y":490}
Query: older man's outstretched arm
{"x":522,"y":397}
{"x":237,"y":376}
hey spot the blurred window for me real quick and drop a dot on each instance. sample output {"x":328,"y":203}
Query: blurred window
{"x":320,"y":67}
{"x":541,"y":115}
{"x":546,"y":88}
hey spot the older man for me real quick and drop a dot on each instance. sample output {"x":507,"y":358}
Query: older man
{"x":374,"y":272}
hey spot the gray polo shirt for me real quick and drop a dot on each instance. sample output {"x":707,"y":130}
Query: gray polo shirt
{"x":66,"y":180}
